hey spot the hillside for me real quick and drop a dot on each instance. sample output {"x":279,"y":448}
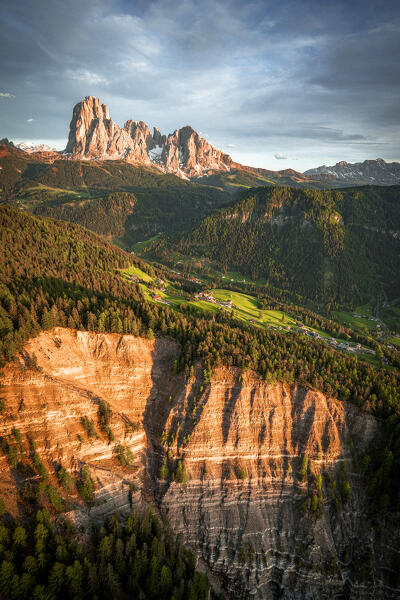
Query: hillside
{"x":332,"y":246}
{"x":239,"y":465}
{"x":239,"y":177}
{"x":83,"y":191}
{"x":108,"y":400}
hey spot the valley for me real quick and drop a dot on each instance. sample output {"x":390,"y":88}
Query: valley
{"x":319,"y":244}
{"x":248,"y":308}
{"x":199,"y":372}
{"x":199,"y":300}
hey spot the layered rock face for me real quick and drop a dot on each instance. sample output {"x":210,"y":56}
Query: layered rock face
{"x":78,"y":370}
{"x":94,"y":135}
{"x":250,"y":457}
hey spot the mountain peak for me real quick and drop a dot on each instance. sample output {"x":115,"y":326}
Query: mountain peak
{"x":93,"y":103}
{"x":94,"y":135}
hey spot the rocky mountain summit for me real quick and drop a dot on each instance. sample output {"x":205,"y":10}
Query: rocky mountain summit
{"x":373,"y":172}
{"x":94,"y":135}
{"x":7,"y":142}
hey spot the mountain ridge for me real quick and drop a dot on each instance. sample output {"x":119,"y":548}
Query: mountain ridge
{"x":375,"y":171}
{"x":94,"y":135}
{"x":330,"y":245}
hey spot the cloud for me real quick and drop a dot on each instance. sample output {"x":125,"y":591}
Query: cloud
{"x":280,"y":156}
{"x":29,"y":120}
{"x":86,"y":76}
{"x":320,"y":85}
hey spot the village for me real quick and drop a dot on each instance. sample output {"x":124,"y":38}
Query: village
{"x":209,"y":298}
{"x":344,"y":346}
{"x":158,"y":290}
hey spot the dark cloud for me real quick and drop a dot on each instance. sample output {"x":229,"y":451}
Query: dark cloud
{"x":321,"y":85}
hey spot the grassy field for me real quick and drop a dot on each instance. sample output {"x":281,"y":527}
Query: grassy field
{"x":395,"y":341}
{"x":139,"y":273}
{"x":391,"y":316}
{"x":246,"y":307}
{"x":40,"y":187}
{"x":140,"y":246}
{"x":347,"y":318}
{"x":365,"y":309}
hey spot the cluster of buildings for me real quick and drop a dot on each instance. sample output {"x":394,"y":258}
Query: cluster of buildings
{"x":132,"y":278}
{"x":224,"y":277}
{"x":209,"y":298}
{"x":158,"y":298}
{"x":365,"y":317}
{"x":160,"y":285}
{"x":338,"y":345}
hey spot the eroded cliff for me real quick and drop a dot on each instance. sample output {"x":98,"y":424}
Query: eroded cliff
{"x":261,"y":480}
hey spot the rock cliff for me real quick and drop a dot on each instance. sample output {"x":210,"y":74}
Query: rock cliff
{"x":260,"y":479}
{"x":94,"y":135}
{"x":186,"y":152}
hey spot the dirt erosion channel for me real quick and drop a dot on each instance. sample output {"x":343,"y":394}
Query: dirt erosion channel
{"x":260,"y":479}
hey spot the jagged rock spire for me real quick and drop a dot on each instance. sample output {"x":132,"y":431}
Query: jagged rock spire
{"x":94,"y":135}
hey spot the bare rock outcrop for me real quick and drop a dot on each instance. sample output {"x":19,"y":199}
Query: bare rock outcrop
{"x":224,"y":457}
{"x":94,"y":135}
{"x":188,"y":153}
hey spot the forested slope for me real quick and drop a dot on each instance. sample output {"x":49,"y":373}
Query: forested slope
{"x":327,"y":245}
{"x":58,"y":274}
{"x":144,"y":201}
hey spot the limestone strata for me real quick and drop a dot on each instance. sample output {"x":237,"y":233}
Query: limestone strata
{"x":254,"y":533}
{"x":241,"y":441}
{"x":79,"y":369}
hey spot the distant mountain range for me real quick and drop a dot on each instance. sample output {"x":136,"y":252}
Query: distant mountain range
{"x":94,"y":136}
{"x":374,"y":172}
{"x":28,"y":147}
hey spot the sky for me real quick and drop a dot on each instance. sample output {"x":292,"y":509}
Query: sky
{"x":276,"y":84}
